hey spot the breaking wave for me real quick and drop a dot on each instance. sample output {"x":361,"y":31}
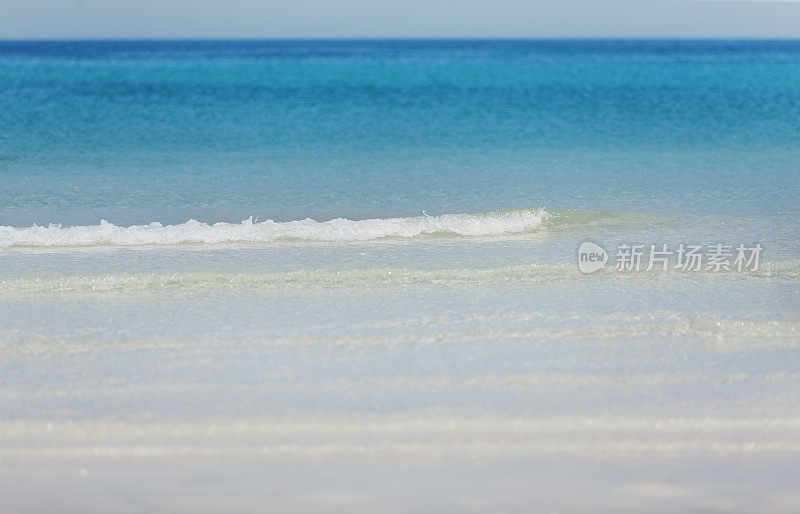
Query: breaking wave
{"x":248,"y":231}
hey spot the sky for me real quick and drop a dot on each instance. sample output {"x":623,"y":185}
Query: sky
{"x":88,"y":19}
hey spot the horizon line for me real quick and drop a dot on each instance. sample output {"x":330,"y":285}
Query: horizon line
{"x":397,"y":38}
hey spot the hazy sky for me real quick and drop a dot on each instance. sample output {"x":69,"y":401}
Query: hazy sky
{"x":397,"y":18}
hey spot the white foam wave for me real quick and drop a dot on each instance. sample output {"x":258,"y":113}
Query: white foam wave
{"x":337,"y":230}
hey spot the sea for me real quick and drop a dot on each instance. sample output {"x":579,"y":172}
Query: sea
{"x":399,"y":275}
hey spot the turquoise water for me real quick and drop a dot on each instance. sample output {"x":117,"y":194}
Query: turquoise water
{"x":135,"y":132}
{"x":356,"y":261}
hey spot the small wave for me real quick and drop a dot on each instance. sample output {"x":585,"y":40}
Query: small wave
{"x":373,"y":277}
{"x":497,"y":223}
{"x":302,"y":279}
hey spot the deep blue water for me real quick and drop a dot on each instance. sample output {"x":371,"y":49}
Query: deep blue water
{"x":135,"y":132}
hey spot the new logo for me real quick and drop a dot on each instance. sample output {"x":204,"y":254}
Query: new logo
{"x":591,"y":257}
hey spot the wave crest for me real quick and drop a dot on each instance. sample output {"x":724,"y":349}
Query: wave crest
{"x":337,"y":230}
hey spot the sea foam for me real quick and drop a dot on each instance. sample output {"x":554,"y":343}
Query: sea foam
{"x":360,"y":278}
{"x":249,"y":231}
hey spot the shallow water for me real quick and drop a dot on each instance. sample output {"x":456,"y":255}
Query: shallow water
{"x":402,"y":304}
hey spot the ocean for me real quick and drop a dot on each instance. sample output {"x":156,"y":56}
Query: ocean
{"x":345,"y":275}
